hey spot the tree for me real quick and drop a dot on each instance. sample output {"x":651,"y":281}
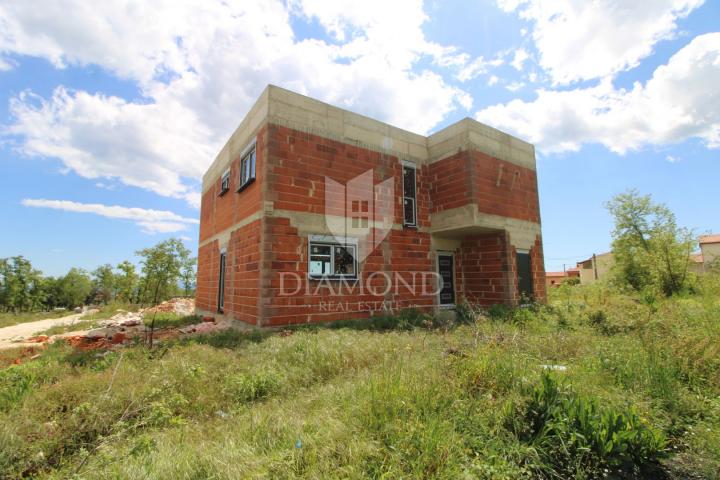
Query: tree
{"x":49,"y":286}
{"x":20,"y":285}
{"x":649,"y":249}
{"x":126,"y":282}
{"x":161,"y":267}
{"x":187,"y":272}
{"x":74,"y":288}
{"x":103,"y":283}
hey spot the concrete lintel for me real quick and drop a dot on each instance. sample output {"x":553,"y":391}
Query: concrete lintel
{"x":467,"y":220}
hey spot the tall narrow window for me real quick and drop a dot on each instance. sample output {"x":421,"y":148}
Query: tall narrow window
{"x":409,"y":196}
{"x":247,"y":168}
{"x":221,"y":284}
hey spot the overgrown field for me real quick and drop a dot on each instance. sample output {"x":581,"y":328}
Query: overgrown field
{"x":597,"y":384}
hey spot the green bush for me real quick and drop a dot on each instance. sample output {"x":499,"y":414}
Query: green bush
{"x":249,"y":387}
{"x":15,"y":383}
{"x":499,"y":312}
{"x":574,"y":434}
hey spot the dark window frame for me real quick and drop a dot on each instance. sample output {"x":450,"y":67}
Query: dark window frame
{"x":246,"y":175}
{"x":221,"y":283}
{"x":224,"y":183}
{"x":407,"y":166}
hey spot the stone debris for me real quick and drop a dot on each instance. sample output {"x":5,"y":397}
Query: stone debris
{"x":123,"y":327}
{"x":181,"y":306}
{"x":558,"y":368}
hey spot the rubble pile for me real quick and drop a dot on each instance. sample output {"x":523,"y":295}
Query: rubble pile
{"x":125,"y":327}
{"x":181,"y":306}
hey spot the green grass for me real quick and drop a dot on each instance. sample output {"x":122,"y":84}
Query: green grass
{"x":169,"y":319}
{"x":398,"y":397}
{"x":9,"y":319}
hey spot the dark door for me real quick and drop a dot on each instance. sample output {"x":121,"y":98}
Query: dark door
{"x":524,"y":276}
{"x":221,"y":284}
{"x":445,"y":270}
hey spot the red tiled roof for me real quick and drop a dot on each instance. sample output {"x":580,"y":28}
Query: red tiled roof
{"x":555,"y":274}
{"x":709,"y":239}
{"x":696,"y":257}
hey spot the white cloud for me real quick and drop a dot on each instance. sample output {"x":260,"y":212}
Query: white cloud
{"x":520,"y":56}
{"x":581,"y":40}
{"x":479,"y":66}
{"x":199,"y":66}
{"x":680,"y":101}
{"x":492,"y":80}
{"x":672,"y":159}
{"x":514,"y":86}
{"x":151,"y":221}
{"x":147,"y":146}
{"x":105,"y":186}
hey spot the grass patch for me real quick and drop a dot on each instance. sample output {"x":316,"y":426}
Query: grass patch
{"x":170,"y":319}
{"x":411,"y":396}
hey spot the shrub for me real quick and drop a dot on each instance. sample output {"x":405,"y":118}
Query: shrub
{"x":573,"y":433}
{"x":228,"y":338}
{"x":466,"y":312}
{"x":499,"y":312}
{"x":15,"y":383}
{"x":249,"y":387}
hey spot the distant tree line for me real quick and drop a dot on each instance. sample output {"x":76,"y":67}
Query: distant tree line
{"x":166,"y":270}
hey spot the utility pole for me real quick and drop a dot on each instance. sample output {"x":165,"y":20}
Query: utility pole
{"x":594,"y":262}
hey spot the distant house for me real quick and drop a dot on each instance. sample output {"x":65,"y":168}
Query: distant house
{"x":709,"y":253}
{"x":555,"y":279}
{"x":710,"y":248}
{"x":595,"y":268}
{"x":598,"y":266}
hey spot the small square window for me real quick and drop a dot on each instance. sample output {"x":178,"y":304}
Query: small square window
{"x":224,"y":183}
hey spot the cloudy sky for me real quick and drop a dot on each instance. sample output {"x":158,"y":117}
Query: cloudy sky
{"x":111,"y":111}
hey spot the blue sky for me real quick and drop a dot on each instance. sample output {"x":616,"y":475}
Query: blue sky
{"x":109,"y":116}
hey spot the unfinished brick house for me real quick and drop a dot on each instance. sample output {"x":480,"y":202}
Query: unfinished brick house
{"x":312,"y":213}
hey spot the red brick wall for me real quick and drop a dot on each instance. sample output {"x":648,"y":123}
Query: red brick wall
{"x":242,"y":284}
{"x":450,"y":182}
{"x":220,"y":213}
{"x":486,"y":269}
{"x":207,"y":277}
{"x":498,"y":187}
{"x":537,"y":264}
{"x":242,"y":274}
{"x":402,"y":253}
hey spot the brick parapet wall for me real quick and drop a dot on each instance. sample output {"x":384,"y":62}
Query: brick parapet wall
{"x":496,"y":186}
